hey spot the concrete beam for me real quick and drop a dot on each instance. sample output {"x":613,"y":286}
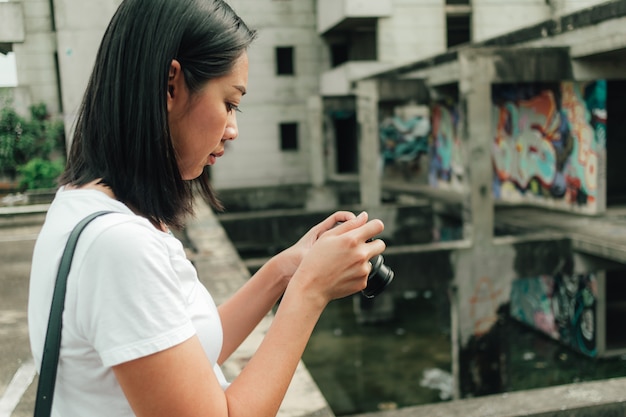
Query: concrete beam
{"x":446,"y":73}
{"x":402,"y":90}
{"x":510,"y":65}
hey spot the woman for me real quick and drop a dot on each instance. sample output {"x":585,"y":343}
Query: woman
{"x":141,"y":335}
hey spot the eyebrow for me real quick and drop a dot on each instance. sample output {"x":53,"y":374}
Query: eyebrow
{"x":241,"y":88}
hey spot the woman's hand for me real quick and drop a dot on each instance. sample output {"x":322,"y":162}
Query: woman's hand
{"x":337,"y":263}
{"x":289,"y":260}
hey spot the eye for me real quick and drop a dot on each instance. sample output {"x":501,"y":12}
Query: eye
{"x":232,"y":107}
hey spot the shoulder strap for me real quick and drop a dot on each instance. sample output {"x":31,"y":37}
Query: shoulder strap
{"x":50,"y":359}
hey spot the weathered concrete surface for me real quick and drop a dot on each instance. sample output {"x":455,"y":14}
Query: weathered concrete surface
{"x":592,"y":399}
{"x":603,"y":236}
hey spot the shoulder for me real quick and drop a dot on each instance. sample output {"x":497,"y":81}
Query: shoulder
{"x":124,"y":234}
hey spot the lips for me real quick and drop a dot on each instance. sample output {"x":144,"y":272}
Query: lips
{"x":213,"y":157}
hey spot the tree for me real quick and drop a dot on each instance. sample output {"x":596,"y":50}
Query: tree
{"x":31,"y":150}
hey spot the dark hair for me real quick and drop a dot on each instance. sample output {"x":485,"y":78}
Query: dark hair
{"x":122,"y":134}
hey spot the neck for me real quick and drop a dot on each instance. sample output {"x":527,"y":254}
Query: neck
{"x":99,"y":186}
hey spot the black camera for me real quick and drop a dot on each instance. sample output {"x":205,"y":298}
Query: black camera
{"x":380,"y":276}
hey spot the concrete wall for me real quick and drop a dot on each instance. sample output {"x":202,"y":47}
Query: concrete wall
{"x":12,"y":18}
{"x":332,"y":12}
{"x":413,"y":31}
{"x":562,"y":7}
{"x":255,"y":158}
{"x":34,"y":58}
{"x":80,"y":26}
{"x":491,"y":18}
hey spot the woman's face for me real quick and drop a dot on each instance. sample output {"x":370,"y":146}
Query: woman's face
{"x":201,"y":123}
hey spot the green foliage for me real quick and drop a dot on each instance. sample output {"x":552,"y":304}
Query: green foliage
{"x":39,"y":173}
{"x":32,"y":147}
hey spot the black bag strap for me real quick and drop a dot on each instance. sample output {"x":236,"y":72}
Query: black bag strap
{"x":52,"y":345}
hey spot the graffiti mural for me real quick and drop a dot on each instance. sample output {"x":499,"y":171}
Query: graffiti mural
{"x":562,"y":306}
{"x":445,"y":155}
{"x":404,"y":137}
{"x":549,"y":139}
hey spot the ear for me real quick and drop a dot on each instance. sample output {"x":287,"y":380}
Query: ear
{"x":175,"y":83}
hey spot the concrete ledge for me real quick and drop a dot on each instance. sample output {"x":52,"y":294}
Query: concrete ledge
{"x":23,"y":216}
{"x":25,"y":209}
{"x":589,"y":399}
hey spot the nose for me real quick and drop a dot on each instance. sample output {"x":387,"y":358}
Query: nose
{"x":231,"y":131}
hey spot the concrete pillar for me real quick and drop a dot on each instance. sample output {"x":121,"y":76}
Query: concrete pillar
{"x":478,"y":286}
{"x":369,"y":149}
{"x":319,"y":196}
{"x":477,"y":73}
{"x":316,"y":140}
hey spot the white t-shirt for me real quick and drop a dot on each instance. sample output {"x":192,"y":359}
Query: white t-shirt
{"x":131,"y":292}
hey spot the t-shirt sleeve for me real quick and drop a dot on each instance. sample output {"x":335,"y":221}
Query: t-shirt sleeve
{"x":129,"y":299}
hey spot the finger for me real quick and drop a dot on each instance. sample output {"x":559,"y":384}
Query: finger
{"x":368,"y":230}
{"x":334,"y":219}
{"x":375,"y":247}
{"x":343,"y":216}
{"x":352,"y":223}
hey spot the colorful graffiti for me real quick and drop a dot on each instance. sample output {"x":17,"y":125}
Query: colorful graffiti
{"x":484,"y":305}
{"x":445,"y":156}
{"x":563,"y":307}
{"x":548,"y":140}
{"x":404,"y":138}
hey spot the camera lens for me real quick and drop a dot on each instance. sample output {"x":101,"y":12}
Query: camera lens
{"x":380,"y":276}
